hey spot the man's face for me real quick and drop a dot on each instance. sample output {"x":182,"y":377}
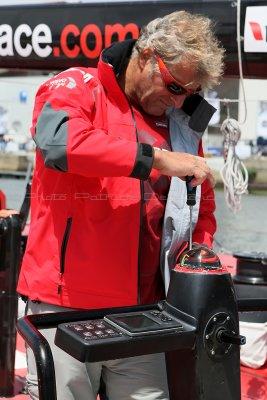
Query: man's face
{"x":151,"y":91}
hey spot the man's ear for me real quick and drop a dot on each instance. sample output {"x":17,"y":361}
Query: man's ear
{"x":144,"y":57}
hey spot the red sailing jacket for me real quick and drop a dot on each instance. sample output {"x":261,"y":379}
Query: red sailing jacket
{"x":2,"y":200}
{"x":82,"y":250}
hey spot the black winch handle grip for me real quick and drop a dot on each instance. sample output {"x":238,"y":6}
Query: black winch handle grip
{"x":191,"y":191}
{"x":228,"y":337}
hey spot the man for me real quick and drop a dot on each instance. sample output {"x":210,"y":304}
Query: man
{"x":100,"y":187}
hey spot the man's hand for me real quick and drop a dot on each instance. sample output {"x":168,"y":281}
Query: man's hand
{"x":182,"y":165}
{"x":7,"y":213}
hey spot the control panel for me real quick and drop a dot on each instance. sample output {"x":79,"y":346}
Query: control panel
{"x":93,"y":330}
{"x":123,"y":335}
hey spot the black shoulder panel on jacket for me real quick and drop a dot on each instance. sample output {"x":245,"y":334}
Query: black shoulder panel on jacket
{"x":51,"y":137}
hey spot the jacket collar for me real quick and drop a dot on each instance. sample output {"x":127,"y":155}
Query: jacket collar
{"x":118,"y":55}
{"x":112,"y":64}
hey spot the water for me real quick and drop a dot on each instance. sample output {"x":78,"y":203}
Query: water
{"x":244,"y":231}
{"x":14,"y":190}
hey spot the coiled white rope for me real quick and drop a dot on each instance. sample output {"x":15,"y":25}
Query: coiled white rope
{"x":234,"y":173}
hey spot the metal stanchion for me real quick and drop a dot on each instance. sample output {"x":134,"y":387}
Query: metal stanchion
{"x":10,"y":252}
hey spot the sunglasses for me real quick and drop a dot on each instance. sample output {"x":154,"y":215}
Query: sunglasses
{"x":172,"y":85}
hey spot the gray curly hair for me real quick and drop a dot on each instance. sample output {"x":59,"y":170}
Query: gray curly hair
{"x":184,"y":36}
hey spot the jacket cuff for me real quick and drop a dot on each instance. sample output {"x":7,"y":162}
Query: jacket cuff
{"x":143,"y":162}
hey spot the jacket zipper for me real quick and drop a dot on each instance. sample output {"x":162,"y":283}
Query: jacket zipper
{"x":141,"y":222}
{"x":141,"y":214}
{"x":63,"y":252}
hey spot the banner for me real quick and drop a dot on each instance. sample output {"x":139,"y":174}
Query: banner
{"x":58,"y":36}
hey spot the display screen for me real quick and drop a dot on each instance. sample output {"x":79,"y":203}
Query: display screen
{"x":136,"y":322}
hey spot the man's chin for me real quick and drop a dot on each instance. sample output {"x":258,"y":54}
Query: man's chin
{"x":156,"y":112}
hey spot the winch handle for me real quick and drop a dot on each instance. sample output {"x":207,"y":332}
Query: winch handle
{"x":191,"y":191}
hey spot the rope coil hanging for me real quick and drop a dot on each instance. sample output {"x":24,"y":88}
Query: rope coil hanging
{"x":234,"y":173}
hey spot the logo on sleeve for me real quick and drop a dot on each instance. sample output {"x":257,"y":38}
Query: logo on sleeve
{"x":68,"y":82}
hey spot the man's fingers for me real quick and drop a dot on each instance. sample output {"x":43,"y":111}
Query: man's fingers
{"x":201,"y":172}
{"x":182,"y":165}
{"x":201,"y":177}
{"x":202,"y":163}
{"x":7,"y":213}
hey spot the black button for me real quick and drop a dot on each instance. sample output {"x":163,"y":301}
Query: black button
{"x":89,"y":326}
{"x":110,"y":331}
{"x":77,"y":328}
{"x":156,"y":313}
